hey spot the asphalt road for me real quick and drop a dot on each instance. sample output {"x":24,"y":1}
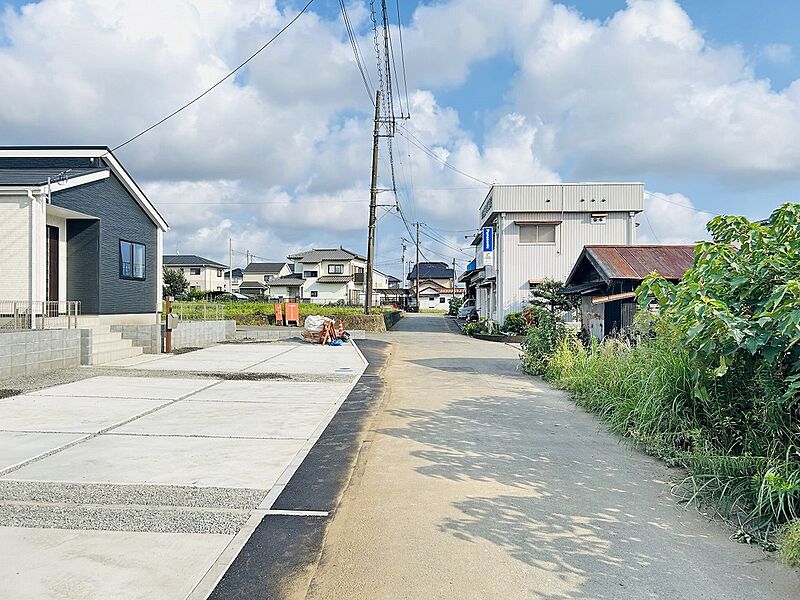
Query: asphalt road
{"x":476,"y":481}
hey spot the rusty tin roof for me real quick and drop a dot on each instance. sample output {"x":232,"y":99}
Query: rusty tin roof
{"x":637,"y":262}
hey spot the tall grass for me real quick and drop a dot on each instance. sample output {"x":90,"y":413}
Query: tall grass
{"x":738,"y":443}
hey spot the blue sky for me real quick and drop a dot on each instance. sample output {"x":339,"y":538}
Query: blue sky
{"x":711,"y":124}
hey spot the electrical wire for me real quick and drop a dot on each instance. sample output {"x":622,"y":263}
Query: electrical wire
{"x":403,"y":58}
{"x":357,"y":53}
{"x":421,"y":145}
{"x":218,"y":83}
{"x":698,"y":210}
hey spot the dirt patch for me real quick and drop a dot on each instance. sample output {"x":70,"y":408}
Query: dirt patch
{"x":7,"y":393}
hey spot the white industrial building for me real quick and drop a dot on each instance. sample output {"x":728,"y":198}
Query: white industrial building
{"x":539,"y":231}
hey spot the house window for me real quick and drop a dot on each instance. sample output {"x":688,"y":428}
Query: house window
{"x":194,"y":271}
{"x":441,"y":300}
{"x":308,"y":274}
{"x":131,"y":260}
{"x":314,"y":293}
{"x":335,"y":269}
{"x":537,"y":233}
{"x":219,"y":273}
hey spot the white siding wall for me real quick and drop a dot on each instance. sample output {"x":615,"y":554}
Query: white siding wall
{"x":14,"y":246}
{"x":327,"y":293}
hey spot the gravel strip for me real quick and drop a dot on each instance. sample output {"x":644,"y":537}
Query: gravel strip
{"x":116,"y":518}
{"x":139,"y":495}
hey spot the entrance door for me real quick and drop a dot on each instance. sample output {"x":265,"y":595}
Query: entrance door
{"x":52,"y":269}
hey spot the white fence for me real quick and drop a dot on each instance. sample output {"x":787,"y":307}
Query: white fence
{"x":40,"y":314}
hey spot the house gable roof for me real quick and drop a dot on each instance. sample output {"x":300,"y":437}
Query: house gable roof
{"x":316,"y":255}
{"x":264,"y":267}
{"x":104,"y":156}
{"x":190,"y":260}
{"x":431,"y":270}
{"x":634,"y":262}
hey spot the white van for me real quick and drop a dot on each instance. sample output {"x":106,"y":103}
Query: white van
{"x":467,"y":308}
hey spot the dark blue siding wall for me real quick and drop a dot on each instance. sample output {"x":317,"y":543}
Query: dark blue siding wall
{"x":83,"y":250}
{"x":58,"y":162}
{"x":120,"y":218}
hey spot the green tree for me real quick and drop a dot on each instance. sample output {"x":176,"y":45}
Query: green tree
{"x":546,"y":295}
{"x":175,"y":283}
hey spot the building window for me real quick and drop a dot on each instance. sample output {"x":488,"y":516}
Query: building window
{"x":598,"y":218}
{"x":131,"y":260}
{"x":194,"y":271}
{"x":220,"y":273}
{"x":309,"y":274}
{"x":314,"y":293}
{"x":335,"y":269}
{"x":537,"y":233}
{"x":441,"y":300}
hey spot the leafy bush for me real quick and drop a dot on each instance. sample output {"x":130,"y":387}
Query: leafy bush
{"x":455,"y":304}
{"x":713,"y":381}
{"x":175,"y":284}
{"x":542,"y":340}
{"x":515,"y":324}
{"x":476,"y":327}
{"x":789,"y":540}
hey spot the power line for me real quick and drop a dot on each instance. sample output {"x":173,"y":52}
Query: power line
{"x":403,"y":57}
{"x":698,"y":210}
{"x":357,"y":52}
{"x":653,"y":231}
{"x":421,"y":145}
{"x":218,"y":83}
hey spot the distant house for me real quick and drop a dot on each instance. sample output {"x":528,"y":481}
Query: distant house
{"x":203,"y":274}
{"x":606,"y":277}
{"x":264,"y":272}
{"x":334,"y":275}
{"x":432,"y":295}
{"x":233,"y":278}
{"x":437,"y":273}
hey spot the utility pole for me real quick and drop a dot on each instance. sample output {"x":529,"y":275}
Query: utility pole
{"x":403,"y":259}
{"x":453,"y":295}
{"x":417,"y":286}
{"x":230,"y":265}
{"x":373,"y":198}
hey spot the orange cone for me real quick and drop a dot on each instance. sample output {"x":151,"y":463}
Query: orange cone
{"x":341,"y":330}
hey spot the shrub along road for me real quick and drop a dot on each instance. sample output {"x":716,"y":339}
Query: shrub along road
{"x":478,"y":481}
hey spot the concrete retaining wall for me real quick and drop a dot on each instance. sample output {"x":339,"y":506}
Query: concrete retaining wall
{"x":147,"y":337}
{"x":390,"y":319}
{"x":199,"y":334}
{"x":39,"y":351}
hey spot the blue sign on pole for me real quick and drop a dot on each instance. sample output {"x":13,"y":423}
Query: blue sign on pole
{"x":488,"y":239}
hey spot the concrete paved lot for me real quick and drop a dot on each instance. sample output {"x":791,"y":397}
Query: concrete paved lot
{"x":135,"y":487}
{"x":481,"y":482}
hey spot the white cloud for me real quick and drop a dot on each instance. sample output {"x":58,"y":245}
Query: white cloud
{"x":279,"y":160}
{"x":671,"y":219}
{"x":778,"y":53}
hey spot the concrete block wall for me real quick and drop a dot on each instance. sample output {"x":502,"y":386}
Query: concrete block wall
{"x":38,"y":351}
{"x":147,"y":337}
{"x":199,"y":334}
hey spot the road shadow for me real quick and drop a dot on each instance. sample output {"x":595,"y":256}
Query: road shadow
{"x":593,"y":516}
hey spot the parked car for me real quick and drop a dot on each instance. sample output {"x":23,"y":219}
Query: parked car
{"x":467,"y":308}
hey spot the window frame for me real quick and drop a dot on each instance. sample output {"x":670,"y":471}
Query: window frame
{"x":198,"y":269}
{"x":310,"y":274}
{"x":337,"y":269}
{"x":132,"y":262}
{"x":552,"y":224}
{"x":314,"y":293}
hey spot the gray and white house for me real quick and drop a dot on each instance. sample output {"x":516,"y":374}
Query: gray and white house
{"x":539,"y":231}
{"x":78,"y":234}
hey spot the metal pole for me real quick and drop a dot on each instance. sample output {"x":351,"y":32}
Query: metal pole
{"x":230,"y":265}
{"x":168,"y":330}
{"x":417,"y":286}
{"x":373,"y":197}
